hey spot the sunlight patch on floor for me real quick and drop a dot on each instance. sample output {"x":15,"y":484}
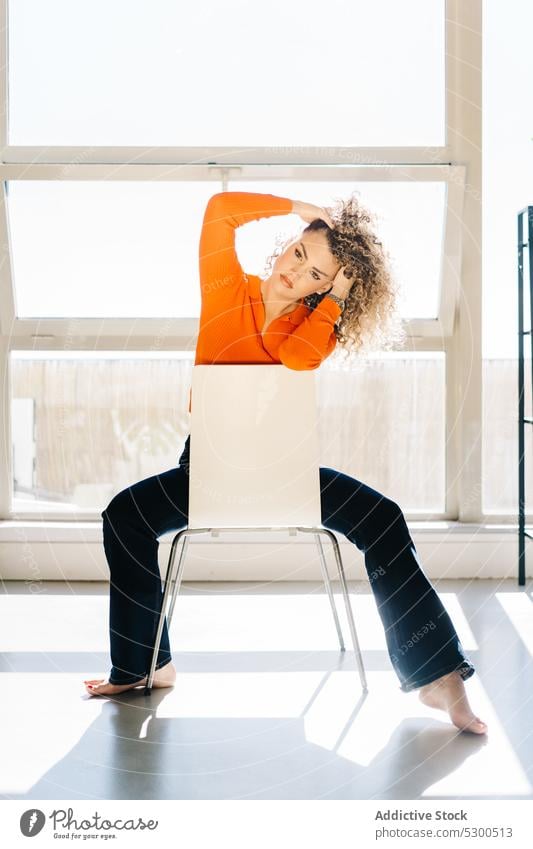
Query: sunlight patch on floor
{"x":493,"y":769}
{"x":519,"y":610}
{"x":47,"y":719}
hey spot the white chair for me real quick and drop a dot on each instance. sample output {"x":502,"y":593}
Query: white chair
{"x":254,"y":458}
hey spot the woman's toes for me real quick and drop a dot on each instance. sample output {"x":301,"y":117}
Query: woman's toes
{"x":475,"y":728}
{"x":479,"y":722}
{"x":470,"y":723}
{"x":95,"y":686}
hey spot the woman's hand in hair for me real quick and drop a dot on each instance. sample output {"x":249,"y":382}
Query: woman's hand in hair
{"x":341,"y":283}
{"x":308,"y":211}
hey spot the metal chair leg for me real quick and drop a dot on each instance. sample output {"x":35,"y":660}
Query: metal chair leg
{"x":168,"y":585}
{"x":172,"y":587}
{"x":349,"y":613}
{"x":177,"y":579}
{"x":329,"y":591}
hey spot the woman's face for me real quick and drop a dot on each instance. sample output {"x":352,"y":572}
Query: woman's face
{"x":305,"y":266}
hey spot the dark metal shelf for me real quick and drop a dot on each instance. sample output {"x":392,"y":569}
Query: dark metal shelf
{"x":525,"y":225}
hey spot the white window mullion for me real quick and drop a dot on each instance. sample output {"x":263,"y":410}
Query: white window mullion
{"x":6,"y":442}
{"x":3,"y":76}
{"x":464,"y":411}
{"x":7,"y":289}
{"x":177,"y":160}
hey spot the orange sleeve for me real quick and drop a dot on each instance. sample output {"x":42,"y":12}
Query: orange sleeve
{"x":225,"y":211}
{"x":313,"y":340}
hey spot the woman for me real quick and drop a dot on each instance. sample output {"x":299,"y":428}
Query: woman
{"x":331,"y":284}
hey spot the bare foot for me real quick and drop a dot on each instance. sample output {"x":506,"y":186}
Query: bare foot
{"x":448,"y":693}
{"x":163,"y":677}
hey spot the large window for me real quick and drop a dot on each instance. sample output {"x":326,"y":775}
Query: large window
{"x":107,"y":167}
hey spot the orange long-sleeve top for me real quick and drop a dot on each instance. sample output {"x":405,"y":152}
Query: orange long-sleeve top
{"x":233,"y":313}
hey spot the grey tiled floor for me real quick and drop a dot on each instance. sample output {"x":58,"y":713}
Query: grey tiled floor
{"x":265,"y":705}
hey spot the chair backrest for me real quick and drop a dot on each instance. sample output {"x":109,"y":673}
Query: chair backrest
{"x":254,"y":453}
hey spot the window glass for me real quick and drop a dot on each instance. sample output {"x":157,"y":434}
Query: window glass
{"x":130,"y":249}
{"x":106,"y":248}
{"x":234,"y":73}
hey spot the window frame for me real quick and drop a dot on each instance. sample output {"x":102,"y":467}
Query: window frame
{"x":457,"y":328}
{"x":127,"y":332}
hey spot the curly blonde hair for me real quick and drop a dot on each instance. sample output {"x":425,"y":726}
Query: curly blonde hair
{"x":370,"y":320}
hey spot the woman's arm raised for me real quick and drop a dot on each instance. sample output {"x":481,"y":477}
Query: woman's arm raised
{"x":309,"y":211}
{"x":225,"y":211}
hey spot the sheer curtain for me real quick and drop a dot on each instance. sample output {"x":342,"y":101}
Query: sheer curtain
{"x":383,"y":423}
{"x":94,"y":426}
